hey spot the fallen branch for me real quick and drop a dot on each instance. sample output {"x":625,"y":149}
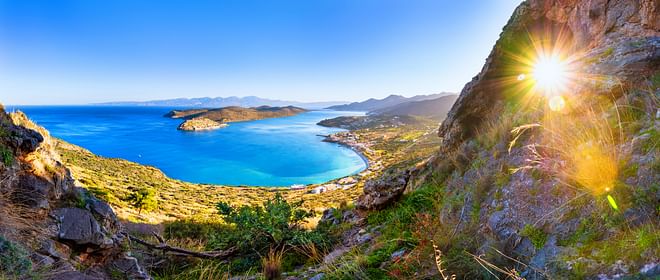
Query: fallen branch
{"x":220,"y":255}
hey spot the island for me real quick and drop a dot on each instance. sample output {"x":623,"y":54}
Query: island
{"x":204,"y":119}
{"x":200,"y":123}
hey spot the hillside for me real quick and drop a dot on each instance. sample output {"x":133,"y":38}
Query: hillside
{"x":435,"y":109}
{"x":376,"y":104}
{"x":49,"y":227}
{"x":236,"y":114}
{"x":217,"y":102}
{"x":549,"y":163}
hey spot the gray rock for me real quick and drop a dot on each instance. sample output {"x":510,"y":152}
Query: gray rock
{"x":364,"y":238}
{"x":32,"y":191}
{"x":381,"y":192}
{"x":41,"y":260}
{"x":335,"y":254}
{"x":318,"y":276}
{"x":542,"y":258}
{"x":78,"y":226}
{"x":329,"y":217}
{"x":50,"y":248}
{"x":397,"y":255}
{"x":130,"y":268}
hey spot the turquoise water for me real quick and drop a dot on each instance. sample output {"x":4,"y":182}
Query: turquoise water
{"x":271,"y":152}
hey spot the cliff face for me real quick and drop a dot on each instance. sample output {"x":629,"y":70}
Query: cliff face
{"x":49,"y":228}
{"x":590,"y":27}
{"x":544,"y":184}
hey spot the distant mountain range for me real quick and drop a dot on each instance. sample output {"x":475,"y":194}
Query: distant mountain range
{"x":377,"y":104}
{"x":432,"y":108}
{"x":217,"y":102}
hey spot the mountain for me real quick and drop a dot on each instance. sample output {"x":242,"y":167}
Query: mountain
{"x":235,"y":113}
{"x":376,"y":104}
{"x":536,"y":177}
{"x":216,"y":102}
{"x":434,"y":108}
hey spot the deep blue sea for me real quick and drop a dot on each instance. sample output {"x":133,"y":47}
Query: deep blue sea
{"x":271,"y":152}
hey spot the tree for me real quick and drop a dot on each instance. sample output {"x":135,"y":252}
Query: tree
{"x":275,"y":225}
{"x":143,"y":198}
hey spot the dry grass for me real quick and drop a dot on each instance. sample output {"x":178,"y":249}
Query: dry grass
{"x":271,"y":264}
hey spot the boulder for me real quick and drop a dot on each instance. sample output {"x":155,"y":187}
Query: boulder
{"x":79,"y":226}
{"x":129,"y":267}
{"x":380,"y":192}
{"x":53,"y":249}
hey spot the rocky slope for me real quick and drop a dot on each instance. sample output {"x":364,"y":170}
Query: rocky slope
{"x":49,"y":228}
{"x":237,"y":114}
{"x":522,"y":187}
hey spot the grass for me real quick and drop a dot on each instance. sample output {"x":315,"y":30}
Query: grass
{"x":271,"y":264}
{"x":6,"y":155}
{"x":14,"y":260}
{"x":536,"y":235}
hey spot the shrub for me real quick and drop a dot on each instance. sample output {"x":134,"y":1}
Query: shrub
{"x":143,"y":199}
{"x":277,"y":225}
{"x":7,"y":156}
{"x":14,"y":260}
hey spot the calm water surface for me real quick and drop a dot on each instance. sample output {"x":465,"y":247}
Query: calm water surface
{"x":272,"y":152}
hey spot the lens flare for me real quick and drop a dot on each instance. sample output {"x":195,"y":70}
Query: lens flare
{"x":557,"y":103}
{"x":550,"y":74}
{"x":594,"y":167}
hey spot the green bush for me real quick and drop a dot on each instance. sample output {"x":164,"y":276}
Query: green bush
{"x":7,"y":156}
{"x":257,"y":229}
{"x":14,"y":260}
{"x":143,"y":199}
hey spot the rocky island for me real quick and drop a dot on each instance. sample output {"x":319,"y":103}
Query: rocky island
{"x":200,"y":123}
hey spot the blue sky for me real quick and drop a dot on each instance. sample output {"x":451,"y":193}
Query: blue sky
{"x":84,"y":51}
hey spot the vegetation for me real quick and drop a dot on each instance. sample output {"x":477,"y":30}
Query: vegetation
{"x":143,"y":199}
{"x":6,"y":155}
{"x":535,"y":235}
{"x":14,"y":260}
{"x":269,"y":237}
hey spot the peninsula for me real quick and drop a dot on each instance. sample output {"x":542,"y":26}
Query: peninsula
{"x":205,"y":119}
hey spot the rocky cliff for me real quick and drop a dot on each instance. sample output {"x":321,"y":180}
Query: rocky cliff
{"x":49,"y":228}
{"x":534,"y":182}
{"x":613,"y":39}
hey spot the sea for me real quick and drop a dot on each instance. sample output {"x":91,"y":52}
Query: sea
{"x":274,"y":152}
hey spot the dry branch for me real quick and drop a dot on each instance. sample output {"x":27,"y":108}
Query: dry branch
{"x":162,"y":246}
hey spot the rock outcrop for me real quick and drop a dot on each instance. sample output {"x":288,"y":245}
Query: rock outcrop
{"x":620,"y":38}
{"x":200,"y":123}
{"x":381,"y":192}
{"x":57,"y":226}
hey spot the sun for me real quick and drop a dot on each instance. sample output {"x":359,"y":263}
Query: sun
{"x":550,"y":75}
